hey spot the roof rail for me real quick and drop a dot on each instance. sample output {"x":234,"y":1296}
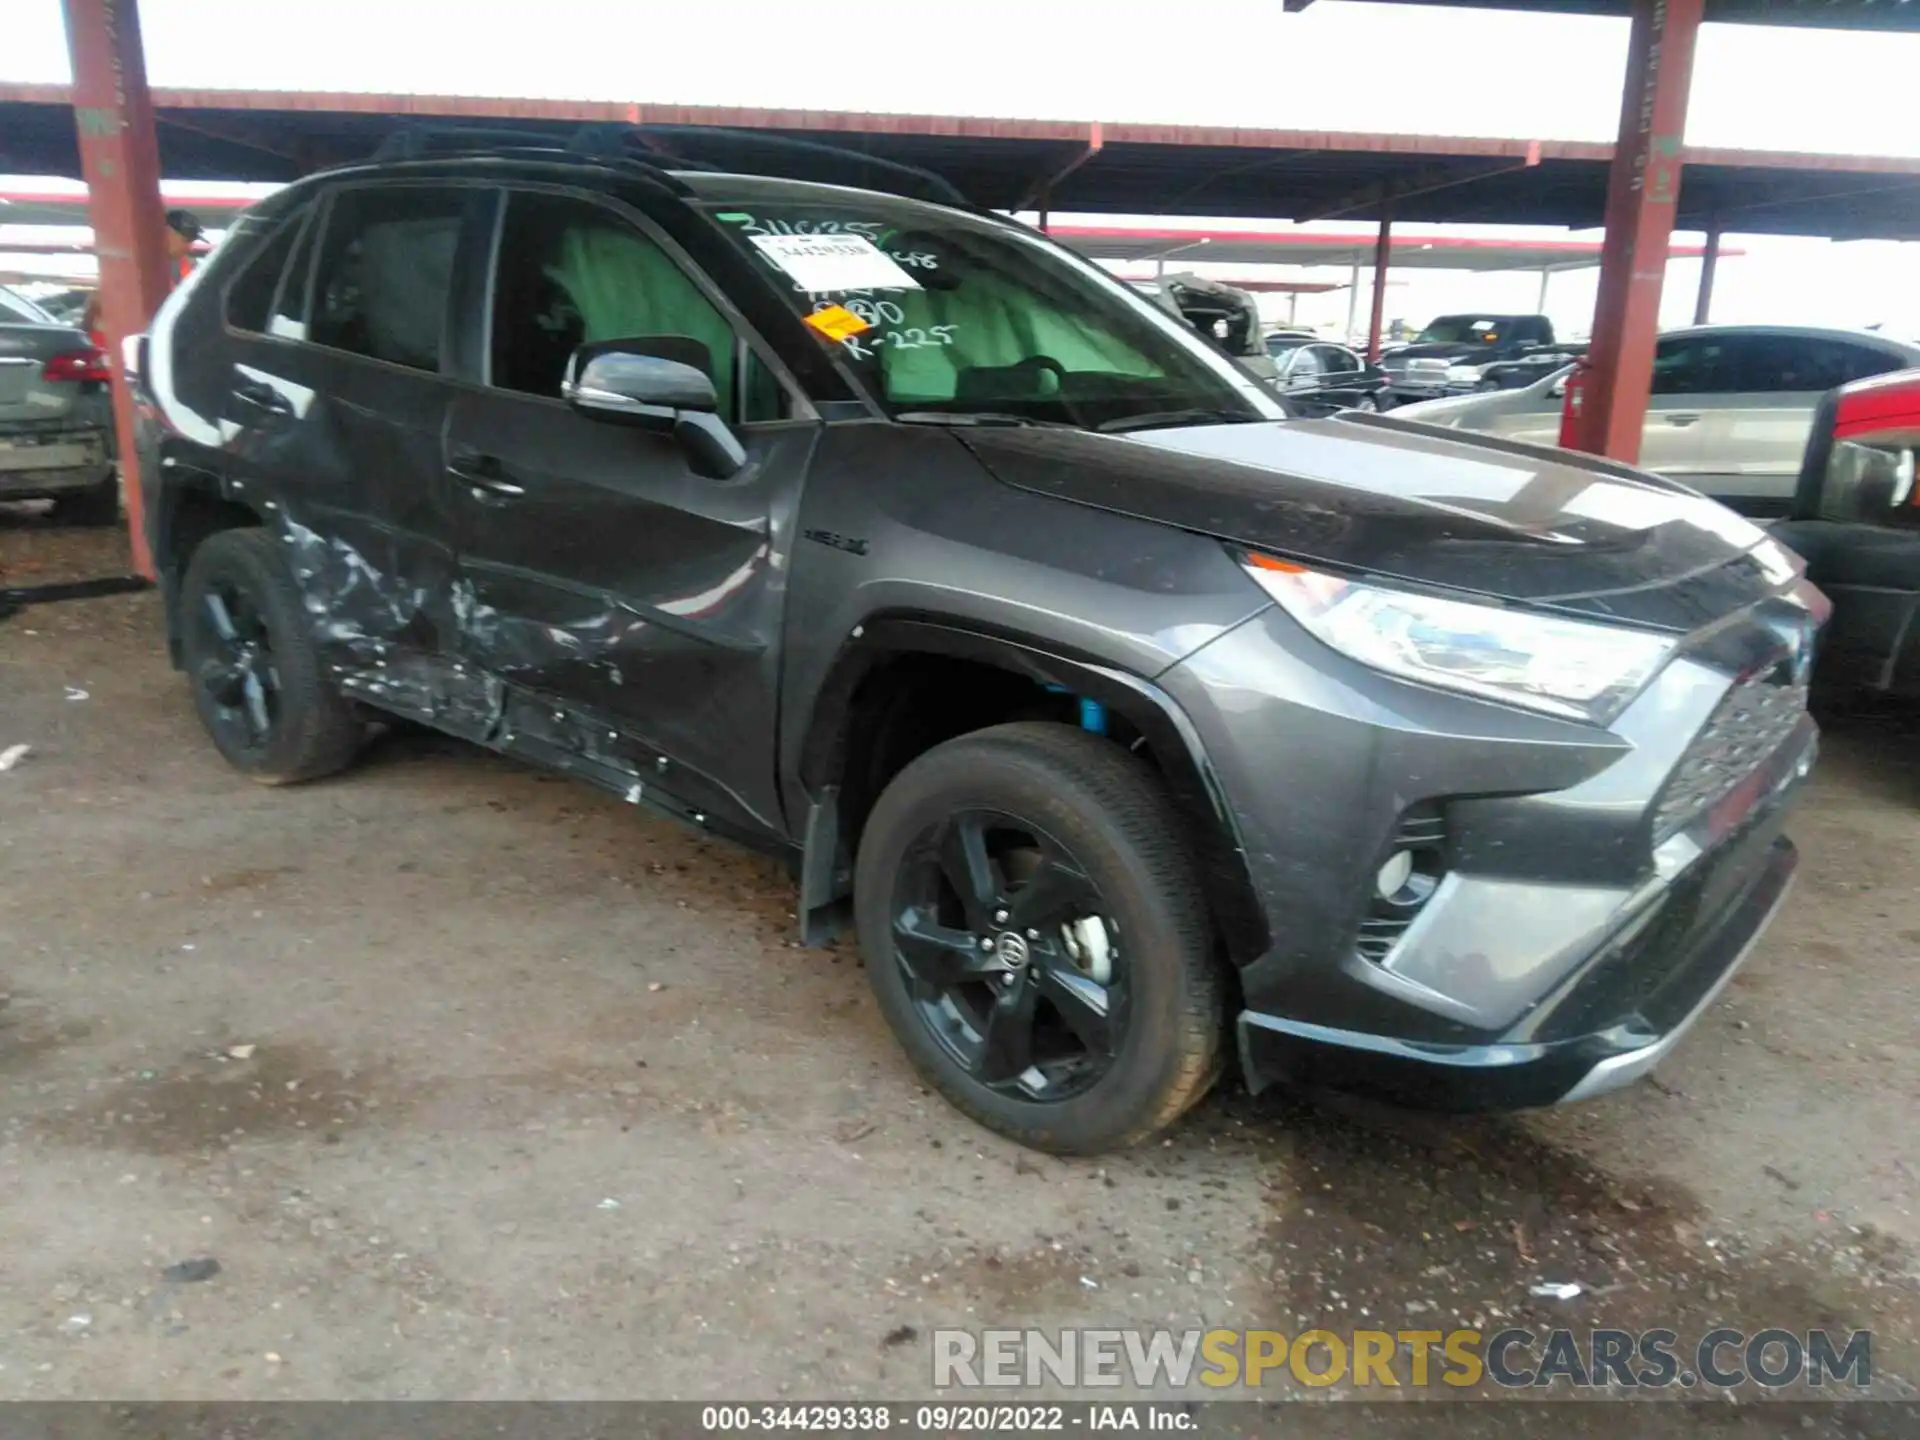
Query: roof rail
{"x":656,"y":149}
{"x":417,"y":142}
{"x":906,"y":179}
{"x":420,"y":142}
{"x":614,"y":141}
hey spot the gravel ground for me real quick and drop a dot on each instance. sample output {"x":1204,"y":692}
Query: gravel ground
{"x":476,"y":1083}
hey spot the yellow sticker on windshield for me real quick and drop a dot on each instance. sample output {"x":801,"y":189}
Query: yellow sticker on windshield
{"x":836,"y":322}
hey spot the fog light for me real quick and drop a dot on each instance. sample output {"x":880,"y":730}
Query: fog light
{"x":1394,"y":875}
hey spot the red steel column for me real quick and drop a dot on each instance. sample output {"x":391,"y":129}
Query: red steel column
{"x":1642,"y":193}
{"x":120,"y":159}
{"x":1381,"y":249}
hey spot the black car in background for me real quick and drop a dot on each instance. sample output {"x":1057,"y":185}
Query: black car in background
{"x":1318,"y":378}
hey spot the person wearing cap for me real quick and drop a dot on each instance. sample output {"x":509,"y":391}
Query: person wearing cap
{"x":183,"y":233}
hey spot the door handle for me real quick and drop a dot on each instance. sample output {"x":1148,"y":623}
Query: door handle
{"x":261,"y":396}
{"x":1681,"y":419}
{"x":484,"y":473}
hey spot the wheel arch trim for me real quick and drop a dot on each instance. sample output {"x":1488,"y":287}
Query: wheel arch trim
{"x":1193,"y":782}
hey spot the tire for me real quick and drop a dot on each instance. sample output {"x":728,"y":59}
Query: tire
{"x":97,"y":506}
{"x":1098,"y":818}
{"x":268,"y":668}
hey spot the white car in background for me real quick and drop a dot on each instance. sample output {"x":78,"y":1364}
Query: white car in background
{"x":1730,"y":409}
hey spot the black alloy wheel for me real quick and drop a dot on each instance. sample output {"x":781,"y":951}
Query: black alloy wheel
{"x":1031,"y":919}
{"x":258,"y":681}
{"x":1009,"y":957}
{"x":237,"y":671}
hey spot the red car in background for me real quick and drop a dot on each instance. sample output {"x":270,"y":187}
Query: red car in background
{"x":1856,"y":520}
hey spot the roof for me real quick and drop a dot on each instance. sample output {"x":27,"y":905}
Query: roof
{"x":1891,"y":343}
{"x":1073,"y":165}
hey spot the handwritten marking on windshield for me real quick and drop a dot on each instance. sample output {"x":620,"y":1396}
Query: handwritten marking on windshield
{"x":873,"y":230}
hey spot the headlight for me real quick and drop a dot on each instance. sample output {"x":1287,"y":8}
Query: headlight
{"x":1463,"y":374}
{"x":1562,"y":667}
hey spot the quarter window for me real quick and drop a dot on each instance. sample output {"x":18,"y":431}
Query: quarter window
{"x":250,"y":297}
{"x":386,"y":268}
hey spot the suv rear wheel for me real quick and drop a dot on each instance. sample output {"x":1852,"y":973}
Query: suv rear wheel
{"x":257,"y":679}
{"x":1032,"y":927}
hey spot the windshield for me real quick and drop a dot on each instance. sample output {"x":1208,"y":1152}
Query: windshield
{"x":1464,"y":330}
{"x":941,"y":315}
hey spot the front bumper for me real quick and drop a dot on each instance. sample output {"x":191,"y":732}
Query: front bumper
{"x":1597,"y":887}
{"x":1712,"y":923}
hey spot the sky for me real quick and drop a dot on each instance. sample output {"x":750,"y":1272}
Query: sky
{"x":1336,"y":66}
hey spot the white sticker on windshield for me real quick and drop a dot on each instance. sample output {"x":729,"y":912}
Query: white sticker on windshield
{"x":834,"y":262}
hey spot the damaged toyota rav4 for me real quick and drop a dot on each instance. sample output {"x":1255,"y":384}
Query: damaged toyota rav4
{"x":1133,"y":728}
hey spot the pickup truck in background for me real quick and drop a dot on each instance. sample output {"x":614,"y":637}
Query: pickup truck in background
{"x":1456,"y":354}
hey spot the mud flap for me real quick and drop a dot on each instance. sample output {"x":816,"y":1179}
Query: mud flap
{"x":826,"y":875}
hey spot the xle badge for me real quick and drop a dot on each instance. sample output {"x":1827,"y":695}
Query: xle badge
{"x":849,"y":543}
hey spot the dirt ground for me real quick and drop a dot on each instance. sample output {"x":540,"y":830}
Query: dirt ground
{"x":476,"y":1083}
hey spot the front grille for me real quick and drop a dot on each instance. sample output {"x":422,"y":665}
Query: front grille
{"x":1752,"y":721}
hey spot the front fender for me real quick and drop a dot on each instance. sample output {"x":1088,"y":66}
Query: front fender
{"x":1170,"y":736}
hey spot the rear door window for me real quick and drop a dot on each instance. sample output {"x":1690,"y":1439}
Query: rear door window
{"x":386,"y":268}
{"x":1781,"y":364}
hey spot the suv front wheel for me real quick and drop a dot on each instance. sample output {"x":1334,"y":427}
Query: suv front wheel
{"x":1032,"y":925}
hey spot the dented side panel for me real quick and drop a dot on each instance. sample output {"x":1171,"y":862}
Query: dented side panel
{"x":620,"y":582}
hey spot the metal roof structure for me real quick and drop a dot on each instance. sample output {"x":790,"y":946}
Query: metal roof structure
{"x":1194,"y":245}
{"x":1088,"y":167}
{"x":1816,"y":14}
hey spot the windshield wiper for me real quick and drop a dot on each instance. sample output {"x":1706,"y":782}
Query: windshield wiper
{"x":975,"y":417}
{"x":1160,"y":419}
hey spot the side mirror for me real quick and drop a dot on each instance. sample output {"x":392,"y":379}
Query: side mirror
{"x":1859,"y":466}
{"x":1558,"y":389}
{"x":632,"y":382}
{"x":1868,"y":483}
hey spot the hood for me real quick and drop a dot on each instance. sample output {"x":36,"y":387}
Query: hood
{"x":1401,"y":501}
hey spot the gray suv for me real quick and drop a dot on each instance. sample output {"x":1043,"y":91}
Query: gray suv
{"x":1134,"y":728}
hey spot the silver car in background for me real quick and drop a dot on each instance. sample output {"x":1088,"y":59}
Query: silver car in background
{"x":56,"y":416}
{"x":1730,"y":409}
